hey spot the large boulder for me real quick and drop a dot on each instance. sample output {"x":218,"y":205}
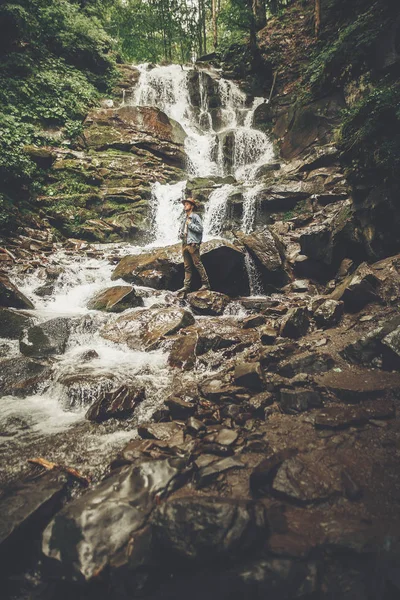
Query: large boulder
{"x":204,"y":529}
{"x":98,"y":531}
{"x":25,"y":509}
{"x":141,"y":127}
{"x":267,"y":251}
{"x":115,"y":299}
{"x":162,"y":268}
{"x":11,"y":297}
{"x":147,"y":328}
{"x":46,"y":339}
{"x":12,"y":323}
{"x":21,"y":376}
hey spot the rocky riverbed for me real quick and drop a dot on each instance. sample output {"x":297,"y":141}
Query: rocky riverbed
{"x":228,"y":444}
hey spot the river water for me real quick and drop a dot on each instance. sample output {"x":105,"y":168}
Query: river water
{"x":51,"y":423}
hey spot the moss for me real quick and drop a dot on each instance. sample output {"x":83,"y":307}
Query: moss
{"x":369,"y":137}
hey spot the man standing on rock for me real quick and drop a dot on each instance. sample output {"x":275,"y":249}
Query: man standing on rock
{"x":191,"y":234}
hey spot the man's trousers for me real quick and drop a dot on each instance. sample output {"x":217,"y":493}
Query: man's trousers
{"x":191,"y":258}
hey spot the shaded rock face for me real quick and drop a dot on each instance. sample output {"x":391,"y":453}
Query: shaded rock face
{"x":267,"y":250}
{"x":304,"y":125}
{"x":47,"y":339}
{"x":25,"y":509}
{"x":11,"y":297}
{"x":21,"y":376}
{"x":115,"y":299}
{"x":116,"y":404}
{"x":140,"y":127}
{"x":205,"y":529}
{"x":12,"y":324}
{"x":163,"y":268}
{"x":93,"y":532}
{"x":147,"y":328}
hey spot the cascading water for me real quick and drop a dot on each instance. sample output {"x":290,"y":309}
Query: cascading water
{"x":224,"y":145}
{"x":217,"y":123}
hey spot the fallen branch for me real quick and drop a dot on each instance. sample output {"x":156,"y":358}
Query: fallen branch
{"x":273,"y":85}
{"x":50,"y":466}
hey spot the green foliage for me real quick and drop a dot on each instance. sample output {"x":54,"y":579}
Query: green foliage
{"x":336,"y":62}
{"x":55,"y":58}
{"x":369,"y":137}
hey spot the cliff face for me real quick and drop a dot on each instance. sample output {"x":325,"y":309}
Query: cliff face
{"x":342,"y":89}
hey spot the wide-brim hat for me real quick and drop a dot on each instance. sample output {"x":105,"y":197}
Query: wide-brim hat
{"x":192,"y":201}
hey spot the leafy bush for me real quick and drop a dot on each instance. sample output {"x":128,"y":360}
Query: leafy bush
{"x":369,"y":137}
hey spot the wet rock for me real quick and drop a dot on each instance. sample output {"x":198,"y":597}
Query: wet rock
{"x":307,"y":362}
{"x":21,"y":376}
{"x":295,"y":324}
{"x":299,"y":400}
{"x":340,"y":417}
{"x":259,"y":402}
{"x":305,"y":479}
{"x":92,"y":533}
{"x":267,"y":250}
{"x":47,"y":339}
{"x":143,"y":127}
{"x":179,"y":408}
{"x":329,"y":313}
{"x":25,"y":509}
{"x":12,"y":324}
{"x":210,"y":472}
{"x":359,"y":289}
{"x":351,"y":489}
{"x":116,"y":404}
{"x":11,"y":297}
{"x":355,"y":384}
{"x":45,"y":290}
{"x":263,"y":474}
{"x":204,"y":529}
{"x":183,"y":352}
{"x":268,"y":336}
{"x":220,"y":389}
{"x":208,"y":302}
{"x":115,"y":299}
{"x":194,"y":426}
{"x":147,"y":328}
{"x":163,"y":268}
{"x":89,"y":355}
{"x":253,"y":321}
{"x":159,"y":431}
{"x":278,"y":578}
{"x":249,"y":375}
{"x":300,"y":285}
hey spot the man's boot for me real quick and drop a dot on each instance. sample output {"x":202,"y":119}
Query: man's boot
{"x":205,"y":286}
{"x":184,"y":290}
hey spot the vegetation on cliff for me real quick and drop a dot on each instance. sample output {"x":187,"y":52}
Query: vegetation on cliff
{"x":55,"y":59}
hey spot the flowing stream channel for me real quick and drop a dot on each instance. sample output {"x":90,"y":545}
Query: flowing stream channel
{"x":51,"y":423}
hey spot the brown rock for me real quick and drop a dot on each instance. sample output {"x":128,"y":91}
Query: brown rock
{"x":116,"y":404}
{"x":115,"y":299}
{"x":11,"y":297}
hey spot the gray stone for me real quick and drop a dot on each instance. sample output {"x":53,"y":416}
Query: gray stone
{"x":21,"y":376}
{"x":47,"y":339}
{"x":299,"y":400}
{"x":11,"y":297}
{"x":12,"y":323}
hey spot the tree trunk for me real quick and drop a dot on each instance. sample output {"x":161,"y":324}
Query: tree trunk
{"x":214,"y":22}
{"x":260,"y":18}
{"x":317,"y":18}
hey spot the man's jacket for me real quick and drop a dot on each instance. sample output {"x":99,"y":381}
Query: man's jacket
{"x":194,"y":230}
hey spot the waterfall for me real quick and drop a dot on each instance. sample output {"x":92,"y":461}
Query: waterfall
{"x":221,"y":141}
{"x":214,"y":216}
{"x":166,"y":203}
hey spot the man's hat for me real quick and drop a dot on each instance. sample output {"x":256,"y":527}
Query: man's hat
{"x":191,"y":200}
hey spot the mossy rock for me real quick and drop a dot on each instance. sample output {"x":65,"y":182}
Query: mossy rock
{"x":43,"y":157}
